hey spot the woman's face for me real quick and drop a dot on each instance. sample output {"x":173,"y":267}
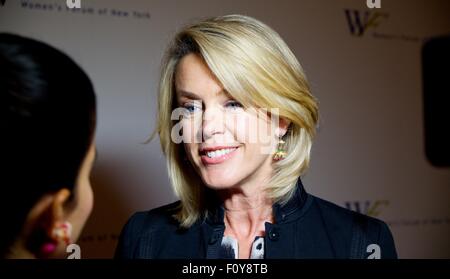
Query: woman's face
{"x":227,"y":144}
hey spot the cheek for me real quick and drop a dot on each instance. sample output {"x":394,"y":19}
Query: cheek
{"x":85,"y":200}
{"x":254,"y":130}
{"x":191,"y":132}
{"x":266,"y":139}
{"x":191,"y":151}
{"x":189,"y":135}
{"x":83,"y":209}
{"x":89,"y":200}
{"x":242,"y":127}
{"x":262,"y":141}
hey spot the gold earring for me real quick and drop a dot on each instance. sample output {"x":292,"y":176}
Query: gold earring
{"x":280,"y":154}
{"x":63,"y":232}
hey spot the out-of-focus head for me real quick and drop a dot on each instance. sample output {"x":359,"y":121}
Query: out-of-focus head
{"x":48,"y":115}
{"x":224,"y":82}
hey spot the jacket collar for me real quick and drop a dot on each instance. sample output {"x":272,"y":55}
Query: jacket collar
{"x":293,"y":208}
{"x":283,"y":213}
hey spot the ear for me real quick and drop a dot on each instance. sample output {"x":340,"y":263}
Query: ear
{"x":46,"y":211}
{"x":283,"y":126}
{"x":46,"y":214}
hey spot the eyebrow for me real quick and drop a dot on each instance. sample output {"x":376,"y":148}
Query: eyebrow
{"x":189,"y":95}
{"x":194,"y":96}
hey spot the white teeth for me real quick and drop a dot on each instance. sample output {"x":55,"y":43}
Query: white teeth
{"x":218,"y":153}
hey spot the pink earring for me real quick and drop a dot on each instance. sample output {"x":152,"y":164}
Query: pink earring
{"x":61,"y":232}
{"x":48,"y":248}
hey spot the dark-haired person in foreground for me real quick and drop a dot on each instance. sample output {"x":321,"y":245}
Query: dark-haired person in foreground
{"x":48,"y":115}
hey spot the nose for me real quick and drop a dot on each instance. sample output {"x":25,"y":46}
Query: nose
{"x":213,"y":122}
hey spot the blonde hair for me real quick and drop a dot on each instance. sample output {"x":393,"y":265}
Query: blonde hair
{"x":257,"y":68}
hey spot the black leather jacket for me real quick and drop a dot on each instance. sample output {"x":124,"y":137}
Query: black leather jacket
{"x":305,"y":227}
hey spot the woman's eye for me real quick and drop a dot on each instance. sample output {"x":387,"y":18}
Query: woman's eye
{"x":192,"y":108}
{"x":234,"y":105}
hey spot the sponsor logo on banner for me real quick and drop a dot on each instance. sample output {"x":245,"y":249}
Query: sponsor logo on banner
{"x":361,"y":21}
{"x":367,"y":23}
{"x":370,"y":208}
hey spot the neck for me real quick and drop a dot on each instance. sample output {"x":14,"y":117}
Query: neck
{"x":246,"y":212}
{"x":250,"y":193}
{"x":247,"y":206}
{"x":239,"y":201}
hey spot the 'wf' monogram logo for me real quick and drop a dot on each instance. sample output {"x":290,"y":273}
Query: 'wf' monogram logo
{"x":359,"y":22}
{"x":370,"y":208}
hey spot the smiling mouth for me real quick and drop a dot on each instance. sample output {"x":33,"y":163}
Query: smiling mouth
{"x":219,"y":152}
{"x":217,"y":156}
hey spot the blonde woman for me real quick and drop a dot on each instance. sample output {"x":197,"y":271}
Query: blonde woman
{"x":236,"y":123}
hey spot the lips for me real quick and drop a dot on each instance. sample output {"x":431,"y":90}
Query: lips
{"x":214,"y":148}
{"x":217,"y":154}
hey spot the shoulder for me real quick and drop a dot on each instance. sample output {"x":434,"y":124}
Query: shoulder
{"x":338,"y":213}
{"x":145,"y":223}
{"x":155,"y":218}
{"x":356,"y":229}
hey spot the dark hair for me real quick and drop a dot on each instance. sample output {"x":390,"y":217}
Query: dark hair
{"x":48,"y":112}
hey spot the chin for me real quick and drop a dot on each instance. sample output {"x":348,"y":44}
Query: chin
{"x":219,"y":182}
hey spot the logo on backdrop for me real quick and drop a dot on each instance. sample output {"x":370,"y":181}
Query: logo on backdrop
{"x":2,"y":2}
{"x":366,"y":23}
{"x":361,"y":21}
{"x":370,"y":208}
{"x":371,"y":4}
